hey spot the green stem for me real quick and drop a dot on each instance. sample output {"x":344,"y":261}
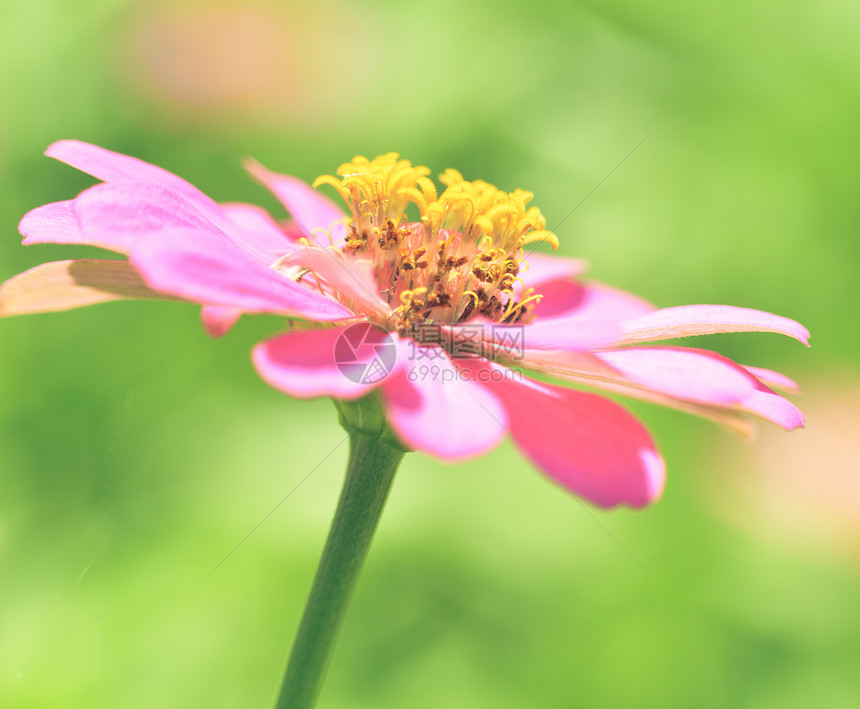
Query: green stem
{"x":372,"y":464}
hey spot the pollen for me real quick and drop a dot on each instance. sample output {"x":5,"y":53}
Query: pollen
{"x":460,"y":254}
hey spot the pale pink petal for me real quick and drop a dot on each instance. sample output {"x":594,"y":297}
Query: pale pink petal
{"x":572,"y":316}
{"x":585,"y":368}
{"x":687,"y":320}
{"x":434,"y":409}
{"x":109,"y":166}
{"x":515,"y":342}
{"x":772,"y":407}
{"x":691,"y":374}
{"x":774,"y":379}
{"x":212,"y":270}
{"x":113,"y":219}
{"x":217,"y":320}
{"x":116,"y":215}
{"x":557,"y":334}
{"x":351,"y":278}
{"x":63,"y":285}
{"x":721,"y":396}
{"x":585,"y":442}
{"x":310,"y":209}
{"x":546,"y":267}
{"x":588,"y":301}
{"x":53,"y":223}
{"x":330,"y":362}
{"x":260,"y":234}
{"x":560,"y":362}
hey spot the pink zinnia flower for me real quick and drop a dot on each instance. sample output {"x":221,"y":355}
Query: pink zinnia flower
{"x":457,"y":292}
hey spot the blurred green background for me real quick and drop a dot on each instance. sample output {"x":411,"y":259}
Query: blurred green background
{"x":135,"y":452}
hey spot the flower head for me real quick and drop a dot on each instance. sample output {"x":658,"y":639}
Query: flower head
{"x":447,"y":282}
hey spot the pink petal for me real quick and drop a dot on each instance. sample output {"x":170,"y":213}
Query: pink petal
{"x":571,"y":316}
{"x":112,"y":167}
{"x":517,"y":341}
{"x":687,"y":320}
{"x":261,"y":235}
{"x":770,"y":406}
{"x":53,"y":223}
{"x":210,"y":269}
{"x":343,"y":362}
{"x":310,"y":209}
{"x":560,"y":334}
{"x":588,"y":444}
{"x":588,"y":301}
{"x":433,"y":408}
{"x":217,"y":320}
{"x":351,"y":278}
{"x":726,"y":393}
{"x":690,"y":374}
{"x":109,"y":166}
{"x":116,"y":215}
{"x":545,"y":267}
{"x":585,"y":368}
{"x":63,"y":285}
{"x":774,"y":379}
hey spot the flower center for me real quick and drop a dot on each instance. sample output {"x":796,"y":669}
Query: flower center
{"x":460,"y":260}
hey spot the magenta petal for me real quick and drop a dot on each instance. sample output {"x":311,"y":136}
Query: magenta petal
{"x":217,"y":320}
{"x":515,"y":342}
{"x":573,"y":316}
{"x":328,"y":362}
{"x":545,"y":267}
{"x":311,"y":210}
{"x":774,"y":379}
{"x":260,"y":234}
{"x":588,"y":369}
{"x":772,"y":407}
{"x":210,"y":269}
{"x":53,"y":223}
{"x":112,"y":167}
{"x":116,"y":215}
{"x":588,"y":444}
{"x":559,"y":334}
{"x":687,"y":320}
{"x":689,"y":374}
{"x":433,"y":408}
{"x":668,"y":377}
{"x":588,"y":302}
{"x":109,"y":166}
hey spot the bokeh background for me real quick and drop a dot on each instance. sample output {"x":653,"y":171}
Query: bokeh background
{"x":135,"y":452}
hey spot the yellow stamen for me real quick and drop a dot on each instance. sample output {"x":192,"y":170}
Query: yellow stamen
{"x":461,"y":259}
